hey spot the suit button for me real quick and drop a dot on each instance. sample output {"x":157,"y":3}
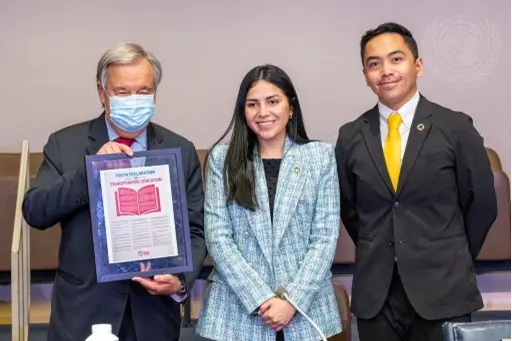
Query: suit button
{"x":391,"y":243}
{"x":396,"y":204}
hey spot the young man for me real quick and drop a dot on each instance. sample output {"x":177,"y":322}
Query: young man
{"x":417,"y":199}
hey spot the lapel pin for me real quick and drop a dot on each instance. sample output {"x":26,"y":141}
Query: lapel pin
{"x":420,"y":126}
{"x":297,"y":170}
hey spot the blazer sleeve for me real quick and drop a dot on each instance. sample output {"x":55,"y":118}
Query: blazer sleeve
{"x":245,"y":282}
{"x":54,"y":194}
{"x":195,"y":205}
{"x":477,"y":196}
{"x":316,"y":266}
{"x":349,"y":214}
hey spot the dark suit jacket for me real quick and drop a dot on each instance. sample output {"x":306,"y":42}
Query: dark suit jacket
{"x":59,"y":195}
{"x":436,"y":222}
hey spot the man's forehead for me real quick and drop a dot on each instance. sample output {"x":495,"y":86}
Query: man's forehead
{"x":385,"y":44}
{"x":139,"y":66}
{"x":130,"y":74}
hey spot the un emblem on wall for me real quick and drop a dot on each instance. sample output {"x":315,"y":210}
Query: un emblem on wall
{"x":461,"y":48}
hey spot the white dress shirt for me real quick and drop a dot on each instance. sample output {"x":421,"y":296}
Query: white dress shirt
{"x":407,"y":112}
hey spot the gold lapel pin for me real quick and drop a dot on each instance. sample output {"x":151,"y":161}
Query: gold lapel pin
{"x":297,"y":170}
{"x":420,"y":126}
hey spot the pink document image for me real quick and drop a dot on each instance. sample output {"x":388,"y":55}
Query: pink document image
{"x":137,"y":202}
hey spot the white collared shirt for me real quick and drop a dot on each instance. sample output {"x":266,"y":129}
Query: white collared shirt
{"x":407,"y":112}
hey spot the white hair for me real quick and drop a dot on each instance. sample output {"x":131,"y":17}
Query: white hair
{"x":126,"y":54}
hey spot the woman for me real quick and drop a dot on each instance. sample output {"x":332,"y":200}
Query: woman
{"x":271,"y":220}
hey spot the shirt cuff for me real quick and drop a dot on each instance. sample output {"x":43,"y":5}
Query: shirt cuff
{"x":179,"y":298}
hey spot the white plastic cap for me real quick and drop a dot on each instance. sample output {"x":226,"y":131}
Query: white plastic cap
{"x":103,"y":328}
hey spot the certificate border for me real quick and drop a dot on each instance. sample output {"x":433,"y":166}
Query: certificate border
{"x":101,"y":276}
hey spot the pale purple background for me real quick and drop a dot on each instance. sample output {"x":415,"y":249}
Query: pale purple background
{"x":50,"y":49}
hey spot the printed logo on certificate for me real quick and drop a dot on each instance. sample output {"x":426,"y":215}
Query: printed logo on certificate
{"x":139,"y":225}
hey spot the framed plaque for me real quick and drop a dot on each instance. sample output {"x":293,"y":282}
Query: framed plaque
{"x":139,"y":214}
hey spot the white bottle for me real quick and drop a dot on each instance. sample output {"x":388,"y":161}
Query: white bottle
{"x":102,"y":332}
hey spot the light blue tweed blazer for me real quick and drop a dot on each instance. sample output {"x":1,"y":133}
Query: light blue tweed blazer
{"x":253,"y":257}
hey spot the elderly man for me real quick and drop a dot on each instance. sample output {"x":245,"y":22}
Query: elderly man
{"x":143,"y":309}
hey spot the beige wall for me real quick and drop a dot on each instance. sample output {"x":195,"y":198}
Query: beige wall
{"x":50,"y":49}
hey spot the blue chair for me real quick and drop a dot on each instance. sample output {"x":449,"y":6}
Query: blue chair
{"x":477,"y":331}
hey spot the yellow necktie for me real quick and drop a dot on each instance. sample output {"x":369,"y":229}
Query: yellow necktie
{"x":392,"y":148}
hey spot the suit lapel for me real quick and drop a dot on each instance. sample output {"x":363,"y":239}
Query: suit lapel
{"x":259,"y":219}
{"x":372,"y":138}
{"x":98,"y":134}
{"x":289,"y":186}
{"x":154,"y":138}
{"x":292,"y":177}
{"x":419,"y":130}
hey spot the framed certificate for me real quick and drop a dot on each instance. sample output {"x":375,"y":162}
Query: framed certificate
{"x":139,"y":214}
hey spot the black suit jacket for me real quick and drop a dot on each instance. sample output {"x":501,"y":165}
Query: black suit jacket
{"x":435,"y":223}
{"x":59,"y":195}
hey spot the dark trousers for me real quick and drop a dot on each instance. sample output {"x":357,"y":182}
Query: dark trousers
{"x":127,"y":329}
{"x":397,"y":321}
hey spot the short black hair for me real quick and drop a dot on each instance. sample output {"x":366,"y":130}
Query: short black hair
{"x":390,"y":27}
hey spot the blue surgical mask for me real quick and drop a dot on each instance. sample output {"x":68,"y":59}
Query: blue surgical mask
{"x":132,"y":113}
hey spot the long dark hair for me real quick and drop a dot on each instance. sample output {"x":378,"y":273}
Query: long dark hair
{"x":239,"y":176}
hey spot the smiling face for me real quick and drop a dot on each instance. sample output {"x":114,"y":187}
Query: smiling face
{"x":267,"y":112}
{"x":391,"y":70}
